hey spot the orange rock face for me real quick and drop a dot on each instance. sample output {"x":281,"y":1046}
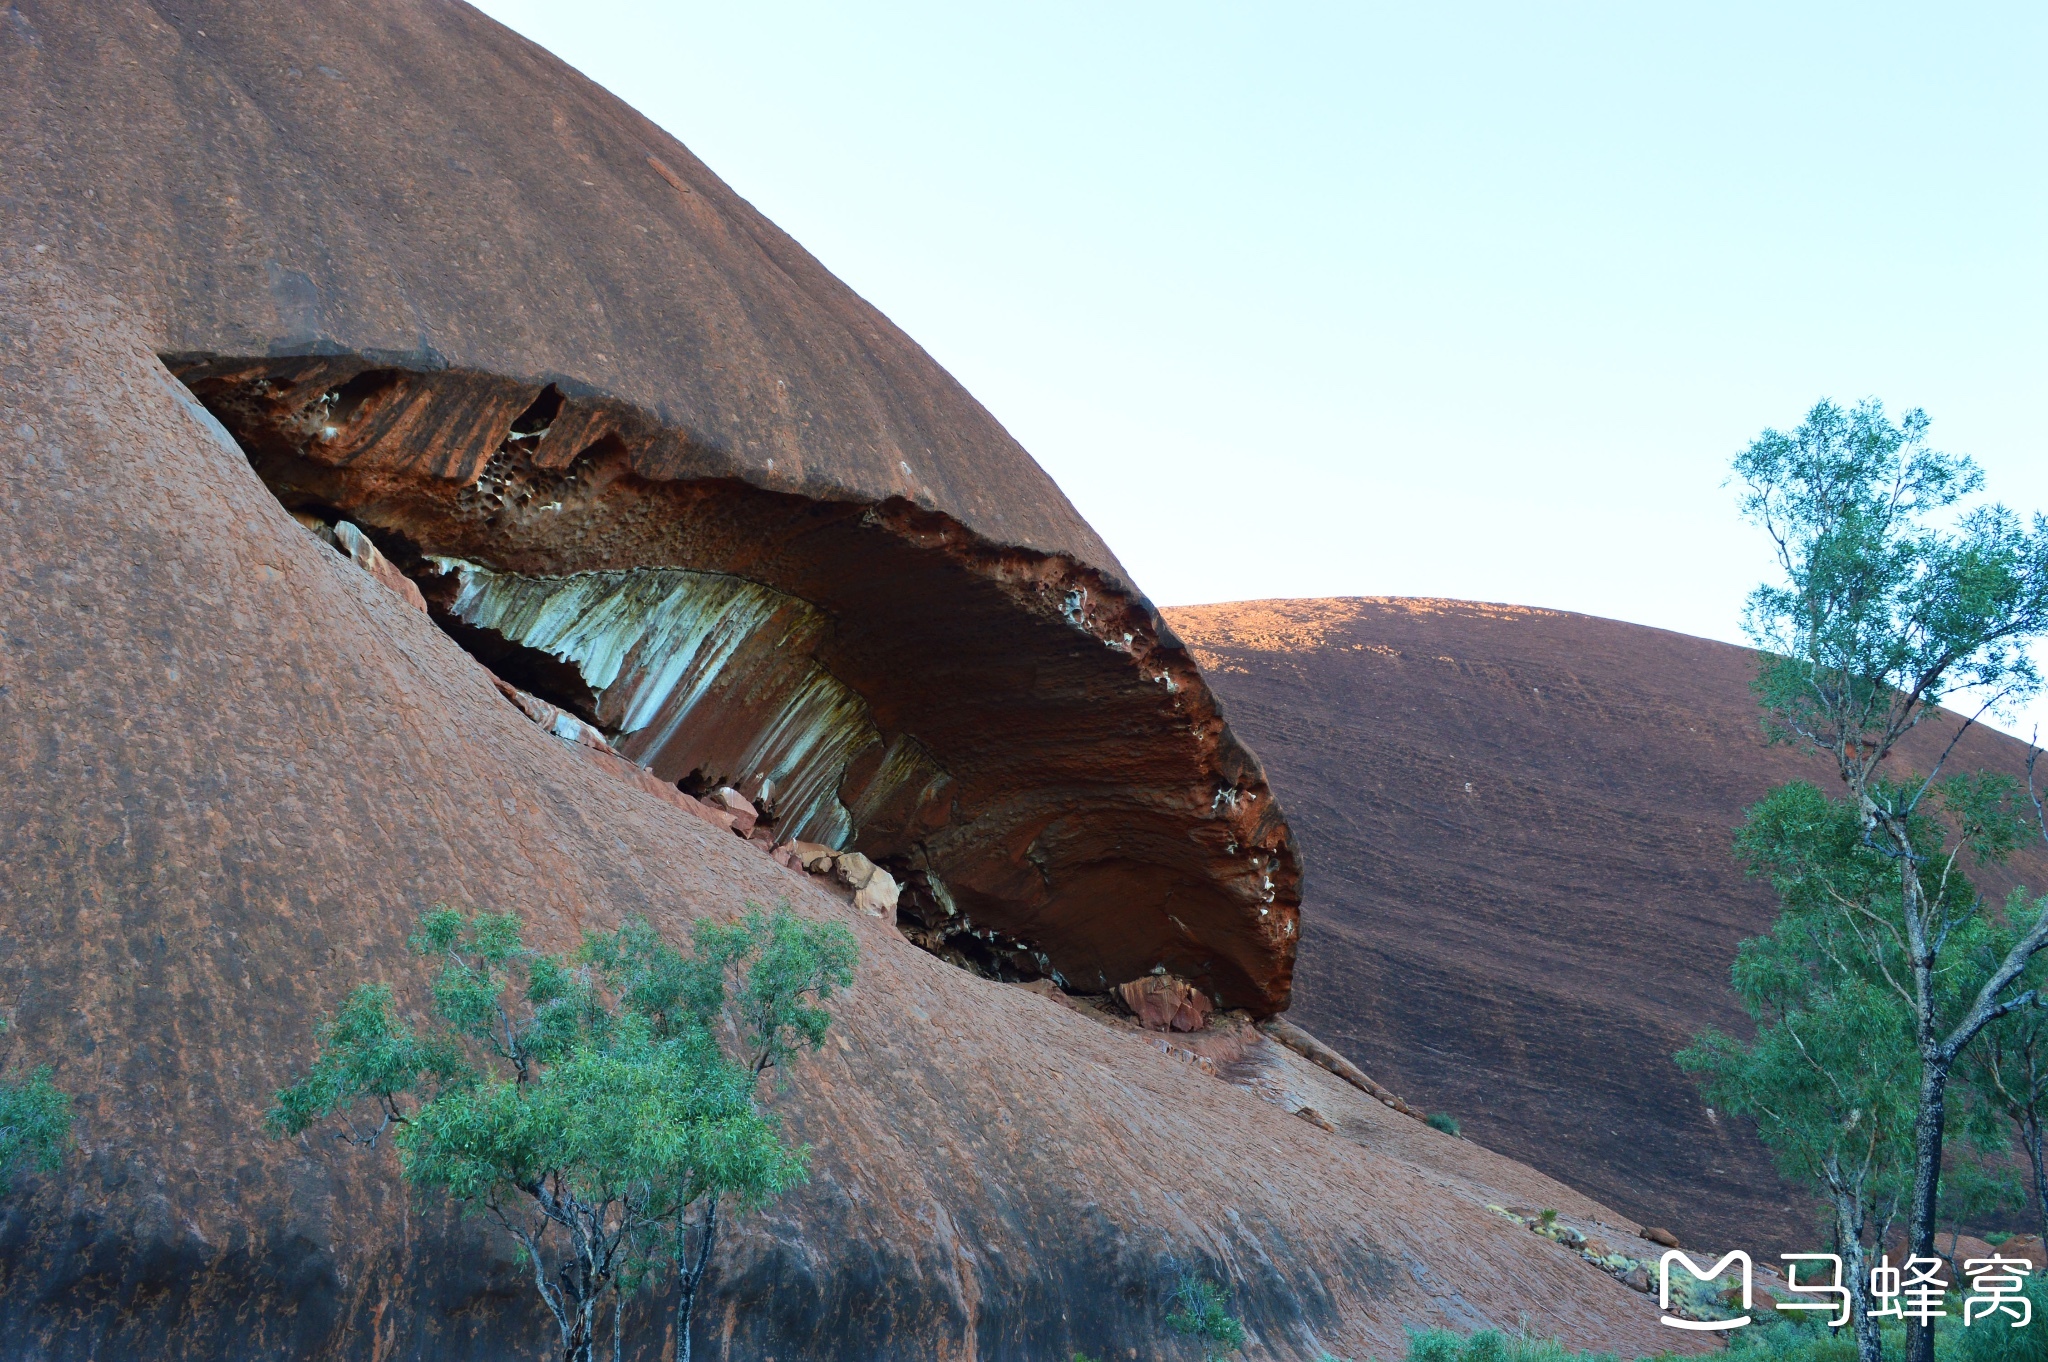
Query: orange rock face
{"x":238,"y":767}
{"x":652,"y":463}
{"x":1163,"y":1003}
{"x":685,"y":514}
{"x":1523,"y":899}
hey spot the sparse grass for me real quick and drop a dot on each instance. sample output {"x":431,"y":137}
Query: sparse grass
{"x":1775,"y":1337}
{"x":1201,"y":1309}
{"x":1492,"y":1345}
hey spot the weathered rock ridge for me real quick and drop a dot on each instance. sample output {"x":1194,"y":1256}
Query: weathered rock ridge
{"x":1523,"y":894}
{"x":238,"y":764}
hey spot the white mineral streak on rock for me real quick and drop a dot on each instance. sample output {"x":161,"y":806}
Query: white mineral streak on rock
{"x":657,"y":644}
{"x":906,"y":766}
{"x":941,"y":893}
{"x":806,"y":747}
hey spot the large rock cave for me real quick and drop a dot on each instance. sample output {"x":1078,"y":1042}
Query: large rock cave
{"x":1019,"y":740}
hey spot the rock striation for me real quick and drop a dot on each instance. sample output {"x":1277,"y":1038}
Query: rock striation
{"x":1524,"y":897}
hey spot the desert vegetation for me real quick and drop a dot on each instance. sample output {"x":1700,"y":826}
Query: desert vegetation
{"x":599,"y":1110}
{"x":35,"y":1125}
{"x":1887,"y":976}
{"x":1774,"y":1338}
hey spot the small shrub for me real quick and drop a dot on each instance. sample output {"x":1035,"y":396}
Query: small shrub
{"x":1997,"y":1237}
{"x":1201,"y":1309}
{"x":1491,"y":1345}
{"x":35,"y":1126}
{"x":1444,"y":1121}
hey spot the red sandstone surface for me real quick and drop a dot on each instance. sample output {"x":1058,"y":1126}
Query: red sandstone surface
{"x":314,"y":315}
{"x":238,"y":765}
{"x":1522,"y":898}
{"x":445,"y":290}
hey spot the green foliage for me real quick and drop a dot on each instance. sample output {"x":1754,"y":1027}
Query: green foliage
{"x":365,"y":1053}
{"x":1201,"y":1309}
{"x":1831,"y":1077}
{"x":1444,"y":1121}
{"x":1994,"y":1340}
{"x":1780,"y":1337}
{"x":583,"y":1105}
{"x":2007,"y":1071}
{"x":1974,"y":1190}
{"x":35,"y":1126}
{"x":783,"y":970}
{"x":1491,"y":1345}
{"x":1775,"y":1337}
{"x":1883,"y":614}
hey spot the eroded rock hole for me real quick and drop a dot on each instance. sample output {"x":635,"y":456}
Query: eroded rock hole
{"x":931,"y":921}
{"x":534,"y":422}
{"x":340,"y":406}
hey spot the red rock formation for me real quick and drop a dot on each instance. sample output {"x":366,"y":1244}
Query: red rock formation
{"x":1161,"y":1002}
{"x":651,"y":460}
{"x":1523,"y":898}
{"x":238,"y":767}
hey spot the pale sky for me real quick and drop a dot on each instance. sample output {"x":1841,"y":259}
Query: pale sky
{"x":1451,"y":300}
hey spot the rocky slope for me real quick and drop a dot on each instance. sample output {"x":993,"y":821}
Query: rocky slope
{"x":632,"y":441}
{"x":1523,"y":899}
{"x":237,"y":766}
{"x":423,"y":479}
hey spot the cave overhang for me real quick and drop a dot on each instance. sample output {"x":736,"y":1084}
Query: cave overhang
{"x":1014,"y":733}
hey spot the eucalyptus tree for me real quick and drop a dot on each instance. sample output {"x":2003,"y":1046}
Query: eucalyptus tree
{"x":551,"y":1098}
{"x":782,"y":970}
{"x":2008,"y":1069}
{"x":1830,"y":1076}
{"x":1897,"y":598}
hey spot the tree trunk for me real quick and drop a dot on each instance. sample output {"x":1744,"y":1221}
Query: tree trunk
{"x":689,"y":1274}
{"x":1927,"y":1141}
{"x":2030,"y":1133}
{"x":1849,"y":1237}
